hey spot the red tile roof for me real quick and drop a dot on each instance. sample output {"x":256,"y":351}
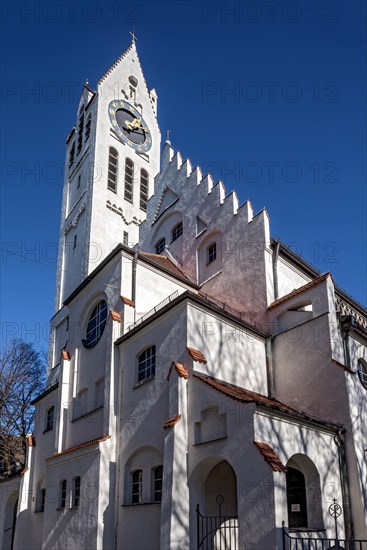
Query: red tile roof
{"x":115,"y":316}
{"x":181,"y":371}
{"x":166,"y":263}
{"x":81,"y":446}
{"x":240,"y":394}
{"x":127,"y":301}
{"x":65,"y":355}
{"x":300,"y":290}
{"x":197,"y":355}
{"x":270,"y":457}
{"x":171,"y":421}
{"x":24,"y":471}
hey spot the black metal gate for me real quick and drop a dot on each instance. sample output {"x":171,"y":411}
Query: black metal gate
{"x":300,"y":543}
{"x":216,"y":532}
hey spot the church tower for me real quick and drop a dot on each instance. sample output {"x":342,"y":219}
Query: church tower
{"x":112,"y":157}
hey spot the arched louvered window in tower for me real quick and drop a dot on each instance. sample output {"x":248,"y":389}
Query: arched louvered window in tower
{"x":112,"y":169}
{"x":144,"y":189}
{"x":80,"y":133}
{"x":87,"y":128}
{"x":129,"y":180}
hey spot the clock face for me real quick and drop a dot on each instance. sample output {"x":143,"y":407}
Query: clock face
{"x":129,"y":125}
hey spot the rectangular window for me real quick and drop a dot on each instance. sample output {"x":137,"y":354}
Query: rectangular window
{"x":79,"y":180}
{"x":76,"y":491}
{"x":75,"y":242}
{"x":137,"y":487}
{"x":211,"y":253}
{"x":42,"y":500}
{"x":63,"y":493}
{"x":146,"y":364}
{"x":126,"y":238}
{"x":160,"y":246}
{"x":50,"y":419}
{"x":158,"y":480}
{"x":177,"y":231}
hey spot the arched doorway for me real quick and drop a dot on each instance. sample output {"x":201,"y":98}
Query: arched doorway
{"x":304,"y":500}
{"x":10,"y":521}
{"x":296,"y":498}
{"x":217,"y":512}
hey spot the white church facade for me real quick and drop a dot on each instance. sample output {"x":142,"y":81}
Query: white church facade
{"x":206,"y":386}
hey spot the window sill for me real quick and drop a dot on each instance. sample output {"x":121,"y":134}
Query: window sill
{"x":142,"y":382}
{"x":209,"y":441}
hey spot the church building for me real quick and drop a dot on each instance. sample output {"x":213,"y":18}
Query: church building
{"x":206,"y":387}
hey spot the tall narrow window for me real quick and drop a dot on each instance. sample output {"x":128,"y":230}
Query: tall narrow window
{"x":137,"y":487}
{"x":87,"y":128}
{"x":157,"y":483}
{"x":146,"y":364}
{"x":160,"y":245}
{"x":211,"y":253}
{"x":75,"y":242}
{"x":42,"y":500}
{"x":72,"y":155}
{"x":79,"y":180}
{"x":144,"y":187}
{"x":80,"y":132}
{"x":63,"y":493}
{"x":126,"y":238}
{"x":76,"y":491}
{"x":129,"y":180}
{"x":177,"y":231}
{"x":362,"y":372}
{"x":296,"y":498}
{"x":50,"y":419}
{"x":112,"y":169}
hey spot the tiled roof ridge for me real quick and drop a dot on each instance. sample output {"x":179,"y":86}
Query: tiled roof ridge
{"x":249,"y":396}
{"x":301,"y":289}
{"x":80,"y":446}
{"x":270,"y":457}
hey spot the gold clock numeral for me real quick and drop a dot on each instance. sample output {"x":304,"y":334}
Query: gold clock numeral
{"x":115,"y":104}
{"x":114,"y":123}
{"x":111,"y":111}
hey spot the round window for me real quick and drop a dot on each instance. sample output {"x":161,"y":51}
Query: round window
{"x":362,"y":373}
{"x":96,"y":324}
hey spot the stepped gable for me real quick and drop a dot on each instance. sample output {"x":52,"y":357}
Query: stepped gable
{"x":178,"y":176}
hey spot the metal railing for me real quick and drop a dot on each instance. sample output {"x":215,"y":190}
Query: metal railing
{"x":216,"y":532}
{"x":309,"y":543}
{"x":152,"y":311}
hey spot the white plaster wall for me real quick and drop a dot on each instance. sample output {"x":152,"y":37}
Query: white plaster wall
{"x":289,"y":277}
{"x":234,"y":354}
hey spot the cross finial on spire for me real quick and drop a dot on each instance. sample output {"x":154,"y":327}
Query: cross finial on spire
{"x":133,"y":35}
{"x":168,"y":135}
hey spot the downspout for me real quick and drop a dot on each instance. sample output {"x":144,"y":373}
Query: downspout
{"x":275,"y":271}
{"x":133,"y":280}
{"x":269,"y":367}
{"x":343,"y":466}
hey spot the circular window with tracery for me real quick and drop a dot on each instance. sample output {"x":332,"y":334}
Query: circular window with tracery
{"x":362,"y":372}
{"x":96,"y":324}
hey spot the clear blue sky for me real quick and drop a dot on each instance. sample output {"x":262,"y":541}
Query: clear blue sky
{"x":269,"y":99}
